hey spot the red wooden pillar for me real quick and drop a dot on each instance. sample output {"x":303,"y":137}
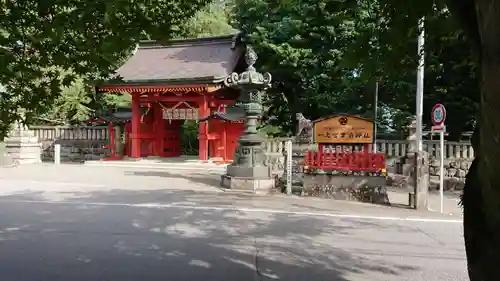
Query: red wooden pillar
{"x":135,"y":151}
{"x":111,"y":145}
{"x":224,"y":142}
{"x":212,"y":151}
{"x":159,"y":129}
{"x":204,"y":111}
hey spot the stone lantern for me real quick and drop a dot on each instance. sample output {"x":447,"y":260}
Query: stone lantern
{"x":21,"y":144}
{"x":248,"y":171}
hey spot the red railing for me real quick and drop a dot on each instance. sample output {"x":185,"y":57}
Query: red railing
{"x":345,"y":161}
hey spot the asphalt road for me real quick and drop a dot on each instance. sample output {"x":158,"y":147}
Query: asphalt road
{"x":80,"y":230}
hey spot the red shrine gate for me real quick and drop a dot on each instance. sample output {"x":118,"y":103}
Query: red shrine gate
{"x":156,"y":78}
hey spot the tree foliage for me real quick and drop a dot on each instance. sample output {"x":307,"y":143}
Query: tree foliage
{"x":392,"y":57}
{"x":450,"y":73}
{"x":210,"y":21}
{"x":72,"y":105}
{"x":302,"y":43}
{"x":79,"y":102}
{"x":326,"y":56}
{"x":41,"y":40}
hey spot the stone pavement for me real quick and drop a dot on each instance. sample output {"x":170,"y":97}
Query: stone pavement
{"x":77,"y":223}
{"x":62,"y":241}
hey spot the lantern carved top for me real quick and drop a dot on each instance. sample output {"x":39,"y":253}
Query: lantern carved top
{"x":250,"y":79}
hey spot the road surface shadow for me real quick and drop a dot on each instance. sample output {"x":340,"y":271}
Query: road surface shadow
{"x":183,"y":197}
{"x":204,"y":178}
{"x":214,"y":180}
{"x":57,"y":241}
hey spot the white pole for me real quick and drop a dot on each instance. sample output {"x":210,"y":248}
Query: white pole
{"x":441,"y":169}
{"x":57,"y":154}
{"x":289,"y":167}
{"x":375,"y":113}
{"x":420,"y":85}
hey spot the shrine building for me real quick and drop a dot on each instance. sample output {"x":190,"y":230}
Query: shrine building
{"x":177,"y":81}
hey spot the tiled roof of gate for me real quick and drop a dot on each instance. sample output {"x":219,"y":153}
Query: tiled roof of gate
{"x":190,"y":59}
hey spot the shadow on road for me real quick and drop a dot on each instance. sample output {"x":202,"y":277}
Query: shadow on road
{"x":214,"y":181}
{"x":203,"y":178}
{"x":74,"y":241}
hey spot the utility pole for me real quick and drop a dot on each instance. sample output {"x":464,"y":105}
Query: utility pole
{"x":375,"y":113}
{"x":420,"y":190}
{"x":420,"y":85}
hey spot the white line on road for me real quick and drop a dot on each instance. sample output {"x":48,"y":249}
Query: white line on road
{"x":240,"y":209}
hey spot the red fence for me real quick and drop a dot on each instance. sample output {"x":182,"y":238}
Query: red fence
{"x":345,"y":161}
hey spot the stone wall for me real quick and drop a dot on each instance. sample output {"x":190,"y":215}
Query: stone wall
{"x":75,"y":151}
{"x":353,"y":188}
{"x":83,"y":150}
{"x":455,"y":170}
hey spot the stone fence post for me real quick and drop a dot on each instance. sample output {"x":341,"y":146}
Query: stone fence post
{"x":422,"y":181}
{"x":408,"y":164}
{"x":416,"y":167}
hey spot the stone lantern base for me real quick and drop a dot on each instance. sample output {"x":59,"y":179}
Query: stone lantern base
{"x":22,"y":147}
{"x":257,"y":179}
{"x":255,"y":186}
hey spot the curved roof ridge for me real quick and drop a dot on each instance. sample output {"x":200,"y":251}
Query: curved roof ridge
{"x":229,"y":38}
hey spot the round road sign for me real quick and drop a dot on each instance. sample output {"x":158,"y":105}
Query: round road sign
{"x":438,"y":115}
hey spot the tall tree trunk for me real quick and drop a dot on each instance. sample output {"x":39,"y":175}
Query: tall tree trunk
{"x":483,"y":236}
{"x":474,"y":219}
{"x":481,"y":198}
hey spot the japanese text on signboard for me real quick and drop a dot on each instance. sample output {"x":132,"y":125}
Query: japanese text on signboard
{"x":332,"y":134}
{"x":343,"y":129}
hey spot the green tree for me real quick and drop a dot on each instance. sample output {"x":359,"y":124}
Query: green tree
{"x":450,"y":74}
{"x":72,"y":106}
{"x":301,"y":43}
{"x":210,"y":21}
{"x":78,"y":102}
{"x":41,"y":40}
{"x":308,"y":46}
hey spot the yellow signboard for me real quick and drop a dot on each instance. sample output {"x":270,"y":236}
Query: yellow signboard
{"x":343,"y":129}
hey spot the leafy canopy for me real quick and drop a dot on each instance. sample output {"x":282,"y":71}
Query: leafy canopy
{"x":302,"y":44}
{"x":45,"y":44}
{"x":326,"y":56}
{"x":210,"y":21}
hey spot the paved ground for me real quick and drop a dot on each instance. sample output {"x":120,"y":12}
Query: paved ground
{"x":450,"y":201}
{"x":80,"y":223}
